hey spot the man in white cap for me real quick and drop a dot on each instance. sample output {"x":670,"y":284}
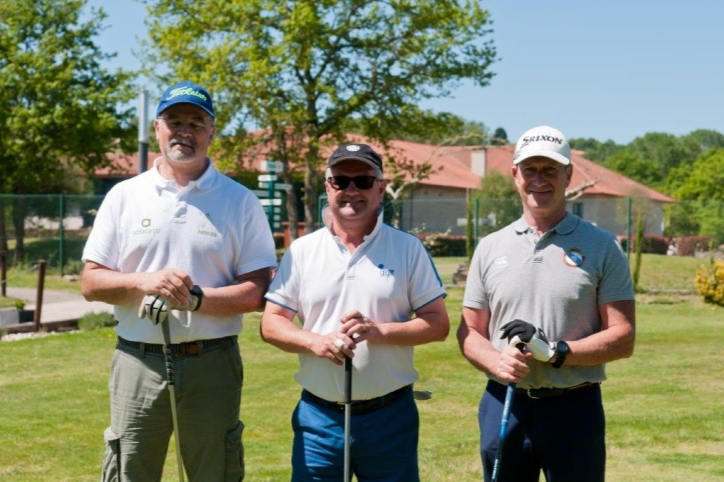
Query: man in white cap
{"x":560,"y":290}
{"x":193,"y":249}
{"x":365,"y":290}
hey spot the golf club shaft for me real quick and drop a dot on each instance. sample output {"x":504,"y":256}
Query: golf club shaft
{"x":172,"y":395}
{"x":179,"y":460}
{"x":347,"y":417}
{"x":503,"y":429}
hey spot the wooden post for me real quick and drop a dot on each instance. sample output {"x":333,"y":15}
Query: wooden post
{"x":39,"y":294}
{"x":4,"y":275}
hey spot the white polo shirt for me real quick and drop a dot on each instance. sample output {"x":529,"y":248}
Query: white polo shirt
{"x":214,"y":229}
{"x":387,"y":278}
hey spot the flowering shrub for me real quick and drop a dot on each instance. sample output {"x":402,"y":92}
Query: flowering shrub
{"x":709,"y":282}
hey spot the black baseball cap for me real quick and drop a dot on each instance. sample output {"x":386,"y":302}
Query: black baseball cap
{"x":355,"y":152}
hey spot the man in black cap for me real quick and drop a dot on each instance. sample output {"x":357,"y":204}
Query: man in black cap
{"x":355,"y":286}
{"x":184,"y":245}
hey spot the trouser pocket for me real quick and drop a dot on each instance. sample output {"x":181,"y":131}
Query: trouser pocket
{"x":234,"y":454}
{"x":112,"y":458}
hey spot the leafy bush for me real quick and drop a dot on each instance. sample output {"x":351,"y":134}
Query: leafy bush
{"x":689,"y":245}
{"x":93,"y":321}
{"x":709,"y":282}
{"x":652,"y":244}
{"x":442,"y":244}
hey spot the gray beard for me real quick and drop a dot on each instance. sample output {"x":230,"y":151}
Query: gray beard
{"x":178,"y":156}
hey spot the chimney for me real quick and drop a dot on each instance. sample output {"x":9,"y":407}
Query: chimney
{"x":477,"y":162}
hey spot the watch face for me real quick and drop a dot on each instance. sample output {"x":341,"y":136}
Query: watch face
{"x":562,"y":347}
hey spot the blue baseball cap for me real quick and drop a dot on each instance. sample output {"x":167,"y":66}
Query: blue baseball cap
{"x":186,"y":92}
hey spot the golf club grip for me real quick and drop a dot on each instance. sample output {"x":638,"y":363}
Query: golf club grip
{"x":503,"y":429}
{"x":167,"y":353}
{"x":347,"y":379}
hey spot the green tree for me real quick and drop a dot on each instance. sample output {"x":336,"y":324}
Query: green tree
{"x":498,"y":202}
{"x":665,"y":151}
{"x":500,"y":137}
{"x":706,"y":139}
{"x":639,"y":169}
{"x":59,"y":108}
{"x":296,"y":71}
{"x":704,"y":180}
{"x":595,"y":150}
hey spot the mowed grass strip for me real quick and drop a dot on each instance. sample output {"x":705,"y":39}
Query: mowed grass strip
{"x":663,"y":405}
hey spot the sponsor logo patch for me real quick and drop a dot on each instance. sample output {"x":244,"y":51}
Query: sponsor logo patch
{"x":574,"y":258}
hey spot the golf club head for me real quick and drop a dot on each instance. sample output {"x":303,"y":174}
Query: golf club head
{"x":422,"y":394}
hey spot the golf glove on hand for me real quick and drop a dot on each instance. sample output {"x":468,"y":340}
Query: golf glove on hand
{"x":194,"y":302}
{"x":534,"y":338}
{"x":154,"y":307}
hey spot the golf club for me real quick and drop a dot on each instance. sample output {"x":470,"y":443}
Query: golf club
{"x":168,"y":355}
{"x":510,"y":392}
{"x":347,"y":416}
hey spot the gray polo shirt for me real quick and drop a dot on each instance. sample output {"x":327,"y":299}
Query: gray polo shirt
{"x":556,"y":283}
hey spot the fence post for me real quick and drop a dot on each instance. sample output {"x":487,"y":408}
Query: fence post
{"x":628,"y":227}
{"x":476,"y":222}
{"x":39,"y":294}
{"x":61,"y":235}
{"x":4,"y":269}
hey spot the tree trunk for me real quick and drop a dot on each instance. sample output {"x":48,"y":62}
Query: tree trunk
{"x":3,"y":228}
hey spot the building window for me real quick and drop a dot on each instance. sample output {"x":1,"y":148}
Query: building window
{"x":578,"y":209}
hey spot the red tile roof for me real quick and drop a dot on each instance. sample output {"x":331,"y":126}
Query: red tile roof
{"x":456,"y":167}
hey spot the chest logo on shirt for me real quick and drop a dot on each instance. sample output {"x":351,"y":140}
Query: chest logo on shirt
{"x":574,"y":258}
{"x":146,"y":225}
{"x":385,"y":271}
{"x":206,"y":227}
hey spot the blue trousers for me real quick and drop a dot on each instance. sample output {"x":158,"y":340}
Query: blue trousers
{"x":383,"y":443}
{"x":562,"y":436}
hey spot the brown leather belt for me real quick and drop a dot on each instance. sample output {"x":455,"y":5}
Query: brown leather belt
{"x":189,"y":348}
{"x":541,"y":393}
{"x":359,"y":406}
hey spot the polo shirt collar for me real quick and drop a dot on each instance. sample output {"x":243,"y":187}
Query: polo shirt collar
{"x":564,"y":226}
{"x":378,"y":226}
{"x":204,"y":182}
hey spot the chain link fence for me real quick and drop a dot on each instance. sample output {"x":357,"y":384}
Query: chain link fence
{"x":55,"y":227}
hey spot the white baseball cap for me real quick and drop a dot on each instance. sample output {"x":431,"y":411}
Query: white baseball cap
{"x":543,"y":141}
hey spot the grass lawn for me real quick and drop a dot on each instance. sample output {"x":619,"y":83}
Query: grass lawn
{"x":664,"y":405}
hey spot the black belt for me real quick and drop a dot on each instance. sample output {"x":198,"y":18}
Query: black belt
{"x":189,"y":348}
{"x":540,"y":393}
{"x":360,"y":406}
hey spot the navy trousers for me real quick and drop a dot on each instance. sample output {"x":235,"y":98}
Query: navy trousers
{"x":562,"y":436}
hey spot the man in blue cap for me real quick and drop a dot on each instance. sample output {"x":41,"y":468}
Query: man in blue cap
{"x":180,"y":244}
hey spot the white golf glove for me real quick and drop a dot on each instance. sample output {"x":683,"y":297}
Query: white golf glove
{"x":154,"y":307}
{"x":534,"y":338}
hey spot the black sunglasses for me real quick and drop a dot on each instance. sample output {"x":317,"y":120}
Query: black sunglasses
{"x":341,"y":183}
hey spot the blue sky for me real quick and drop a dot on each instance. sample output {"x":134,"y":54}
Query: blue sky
{"x":613,"y":69}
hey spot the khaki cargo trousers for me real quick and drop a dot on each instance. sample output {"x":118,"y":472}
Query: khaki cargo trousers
{"x":208,"y":397}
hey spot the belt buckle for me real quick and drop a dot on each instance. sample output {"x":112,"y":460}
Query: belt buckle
{"x":528,"y":393}
{"x":188,"y":349}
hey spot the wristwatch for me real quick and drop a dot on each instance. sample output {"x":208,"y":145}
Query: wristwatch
{"x":562,"y":350}
{"x":199,"y":294}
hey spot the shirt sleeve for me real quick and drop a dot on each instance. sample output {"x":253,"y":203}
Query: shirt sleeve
{"x":616,"y":283}
{"x":102,"y":245}
{"x":284,"y":288}
{"x":257,"y":246}
{"x":424,"y":285}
